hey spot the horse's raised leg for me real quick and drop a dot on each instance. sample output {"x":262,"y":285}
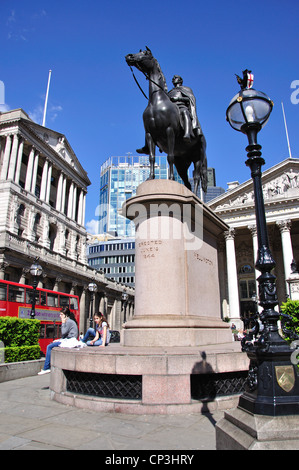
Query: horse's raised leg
{"x":170,"y":144}
{"x":152,"y":149}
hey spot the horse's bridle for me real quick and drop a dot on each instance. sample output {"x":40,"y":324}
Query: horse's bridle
{"x":148,"y":78}
{"x":137,"y":81}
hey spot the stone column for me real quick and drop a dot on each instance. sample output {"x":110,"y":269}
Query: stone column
{"x":13,"y":157}
{"x":286,"y":241}
{"x":80,"y":208}
{"x":253,"y":231}
{"x":3,"y":266}
{"x":59,"y":193}
{"x":74,"y":202}
{"x":222,"y":280}
{"x":44,"y":180}
{"x":34,"y":176}
{"x":232,"y":277}
{"x":6,"y":157}
{"x":83,"y":209}
{"x":19,"y":160}
{"x":63,"y":194}
{"x":70,"y":201}
{"x":29,"y":170}
{"x":49,"y":183}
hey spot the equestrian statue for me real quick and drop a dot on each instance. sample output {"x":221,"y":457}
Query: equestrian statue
{"x":171,"y":123}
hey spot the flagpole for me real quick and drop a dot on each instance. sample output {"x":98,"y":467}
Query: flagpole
{"x":46,"y":101}
{"x":286,"y":129}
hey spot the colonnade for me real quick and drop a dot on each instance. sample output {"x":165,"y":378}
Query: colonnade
{"x":70,"y":197}
{"x":231,"y":263}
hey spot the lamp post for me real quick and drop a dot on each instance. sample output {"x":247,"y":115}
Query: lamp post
{"x":125,"y":298}
{"x":92,"y":287}
{"x":272,"y":384}
{"x":35,"y":271}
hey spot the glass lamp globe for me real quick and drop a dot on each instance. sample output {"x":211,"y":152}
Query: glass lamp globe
{"x":35,"y":269}
{"x":92,"y":287}
{"x":249,"y":108}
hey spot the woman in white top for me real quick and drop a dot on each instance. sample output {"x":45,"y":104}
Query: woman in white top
{"x":100,"y":334}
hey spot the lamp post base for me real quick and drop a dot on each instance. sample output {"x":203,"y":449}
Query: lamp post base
{"x":241,"y":430}
{"x":273,"y":382}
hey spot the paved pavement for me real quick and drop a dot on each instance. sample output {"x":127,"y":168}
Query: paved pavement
{"x":30,"y":420}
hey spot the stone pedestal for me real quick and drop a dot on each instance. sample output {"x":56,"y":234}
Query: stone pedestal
{"x":177,"y":299}
{"x":240,"y":430}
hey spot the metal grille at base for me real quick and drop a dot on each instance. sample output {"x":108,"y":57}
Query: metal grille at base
{"x":104,"y":385}
{"x":216,"y":385}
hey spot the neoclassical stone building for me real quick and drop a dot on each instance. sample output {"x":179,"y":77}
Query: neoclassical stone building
{"x":43,"y":189}
{"x":237,"y":250}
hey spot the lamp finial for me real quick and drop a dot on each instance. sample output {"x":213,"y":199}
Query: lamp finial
{"x":247,"y":81}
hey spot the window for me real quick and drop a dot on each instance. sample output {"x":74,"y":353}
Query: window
{"x":64,"y":301}
{"x":3,"y":292}
{"x":52,"y":300}
{"x":29,"y":296}
{"x":43,"y":298}
{"x":74,"y":303}
{"x":21,"y":210}
{"x":247,"y":288}
{"x":246,"y":269}
{"x":16,"y":294}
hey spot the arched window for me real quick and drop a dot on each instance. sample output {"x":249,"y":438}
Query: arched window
{"x":246,"y":269}
{"x":35,"y":226}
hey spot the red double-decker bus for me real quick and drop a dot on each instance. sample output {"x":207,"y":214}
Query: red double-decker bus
{"x":16,"y":301}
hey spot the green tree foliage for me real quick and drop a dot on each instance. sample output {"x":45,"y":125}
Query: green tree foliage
{"x":291,"y":322}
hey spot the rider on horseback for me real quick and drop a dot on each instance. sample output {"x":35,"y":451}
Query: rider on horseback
{"x":184,"y":98}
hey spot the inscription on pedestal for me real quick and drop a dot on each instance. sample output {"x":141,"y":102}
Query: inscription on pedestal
{"x":149,"y":248}
{"x":203,"y":259}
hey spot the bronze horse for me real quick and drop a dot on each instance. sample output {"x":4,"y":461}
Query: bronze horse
{"x":163,"y":126}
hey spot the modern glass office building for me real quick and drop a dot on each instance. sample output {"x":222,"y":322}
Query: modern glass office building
{"x":115,"y":258}
{"x":119,"y":179}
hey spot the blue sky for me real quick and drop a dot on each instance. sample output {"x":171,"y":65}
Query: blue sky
{"x":93,"y":99}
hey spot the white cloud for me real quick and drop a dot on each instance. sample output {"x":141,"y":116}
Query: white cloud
{"x":38,"y":112}
{"x":53,"y":112}
{"x":20,"y":27}
{"x":92,"y":227}
{"x":3,"y":108}
{"x":11,"y":18}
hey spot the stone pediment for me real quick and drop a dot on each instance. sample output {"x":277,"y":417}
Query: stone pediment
{"x":59,"y":143}
{"x":280,"y":182}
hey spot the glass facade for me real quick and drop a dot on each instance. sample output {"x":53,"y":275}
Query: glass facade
{"x":115,"y":258}
{"x":119,"y":179}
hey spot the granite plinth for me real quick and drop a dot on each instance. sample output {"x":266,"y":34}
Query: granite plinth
{"x":165,"y":372}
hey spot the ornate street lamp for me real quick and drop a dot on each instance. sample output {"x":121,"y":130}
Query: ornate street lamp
{"x":36,"y":271}
{"x":272,"y":384}
{"x":92,"y":287}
